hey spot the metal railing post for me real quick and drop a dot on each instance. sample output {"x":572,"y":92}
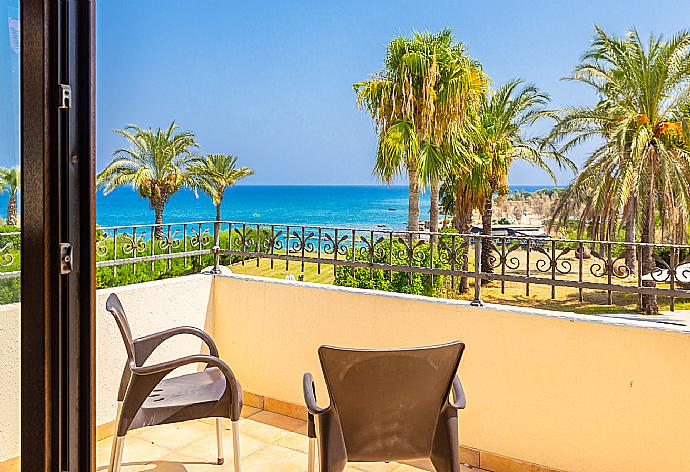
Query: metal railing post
{"x":216,"y":248}
{"x":477,"y":271}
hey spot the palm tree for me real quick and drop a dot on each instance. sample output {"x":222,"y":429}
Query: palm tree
{"x":214,"y":173}
{"x":643,"y":117}
{"x":154,"y":164}
{"x":417,"y":102}
{"x":459,"y":197}
{"x":9,"y":182}
{"x":495,"y":136}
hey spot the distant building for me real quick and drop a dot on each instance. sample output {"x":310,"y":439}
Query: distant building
{"x":514,"y":231}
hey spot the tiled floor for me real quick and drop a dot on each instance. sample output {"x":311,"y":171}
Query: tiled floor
{"x":269,"y":443}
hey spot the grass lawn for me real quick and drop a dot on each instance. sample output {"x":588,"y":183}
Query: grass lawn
{"x":279,"y":271}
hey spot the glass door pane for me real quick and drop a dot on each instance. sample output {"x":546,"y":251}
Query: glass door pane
{"x":10,"y":250}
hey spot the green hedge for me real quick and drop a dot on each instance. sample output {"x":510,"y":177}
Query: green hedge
{"x":395,"y":281}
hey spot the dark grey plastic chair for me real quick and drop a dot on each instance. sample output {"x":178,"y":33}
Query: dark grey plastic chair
{"x":387,"y":405}
{"x":146,"y":398}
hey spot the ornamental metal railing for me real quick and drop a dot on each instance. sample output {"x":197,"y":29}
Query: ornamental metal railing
{"x":135,"y":245}
{"x":9,"y":255}
{"x":444,"y":258}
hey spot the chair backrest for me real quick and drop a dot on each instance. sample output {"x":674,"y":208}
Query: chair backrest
{"x":114,"y":306}
{"x":389,"y":401}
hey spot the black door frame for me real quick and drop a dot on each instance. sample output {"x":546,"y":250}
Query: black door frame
{"x":58,"y":206}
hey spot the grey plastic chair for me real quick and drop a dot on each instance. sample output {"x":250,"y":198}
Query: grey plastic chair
{"x":386,"y":405}
{"x":146,"y":398}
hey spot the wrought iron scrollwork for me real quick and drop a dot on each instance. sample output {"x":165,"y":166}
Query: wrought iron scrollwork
{"x":6,"y":257}
{"x":498,"y":258}
{"x":330,"y":245}
{"x":170,"y":242}
{"x":411,"y":251}
{"x":200,"y":239}
{"x":663,"y":272}
{"x":372,"y":248}
{"x":272,"y":242}
{"x":452,"y":252}
{"x":101,"y":243}
{"x":557,"y":263}
{"x":245,"y":241}
{"x":682,"y":270}
{"x":603,"y":266}
{"x":134,"y":244}
{"x":303,"y":242}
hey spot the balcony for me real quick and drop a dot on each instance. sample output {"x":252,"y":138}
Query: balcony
{"x":546,"y":390}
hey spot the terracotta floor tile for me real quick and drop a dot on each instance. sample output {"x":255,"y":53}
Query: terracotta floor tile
{"x":275,"y":459}
{"x":374,"y":466}
{"x":178,"y":435}
{"x":302,"y":429}
{"x":261,"y":431}
{"x":408,"y":468}
{"x":294,"y":441}
{"x":418,"y":465}
{"x":206,"y":448}
{"x":279,"y":421}
{"x":136,"y":454}
{"x":178,"y":462}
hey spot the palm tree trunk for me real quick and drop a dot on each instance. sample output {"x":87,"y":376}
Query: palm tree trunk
{"x":413,"y":201}
{"x":433,"y":208}
{"x":158,"y":208}
{"x":462,"y":216}
{"x":12,"y":211}
{"x":630,"y":219}
{"x":216,"y":230}
{"x":648,"y":303}
{"x":487,"y":243}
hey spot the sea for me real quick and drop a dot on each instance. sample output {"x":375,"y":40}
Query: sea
{"x":352,"y":206}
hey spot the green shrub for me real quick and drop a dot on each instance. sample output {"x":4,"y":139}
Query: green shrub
{"x":10,"y":290}
{"x":394,"y":281}
{"x":15,"y":239}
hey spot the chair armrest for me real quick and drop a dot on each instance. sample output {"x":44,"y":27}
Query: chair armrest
{"x":459,"y":401}
{"x":169,"y":366}
{"x":309,"y":391}
{"x":145,"y":345}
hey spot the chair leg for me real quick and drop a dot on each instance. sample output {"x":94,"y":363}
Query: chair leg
{"x":312,"y":454}
{"x":236,"y":444}
{"x":219,"y":440}
{"x":116,"y":454}
{"x":116,"y":449}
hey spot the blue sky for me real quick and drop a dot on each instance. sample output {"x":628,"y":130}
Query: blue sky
{"x":272,"y":81}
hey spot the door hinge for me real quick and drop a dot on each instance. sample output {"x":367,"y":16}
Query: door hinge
{"x":65,"y":96}
{"x":66,"y":258}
